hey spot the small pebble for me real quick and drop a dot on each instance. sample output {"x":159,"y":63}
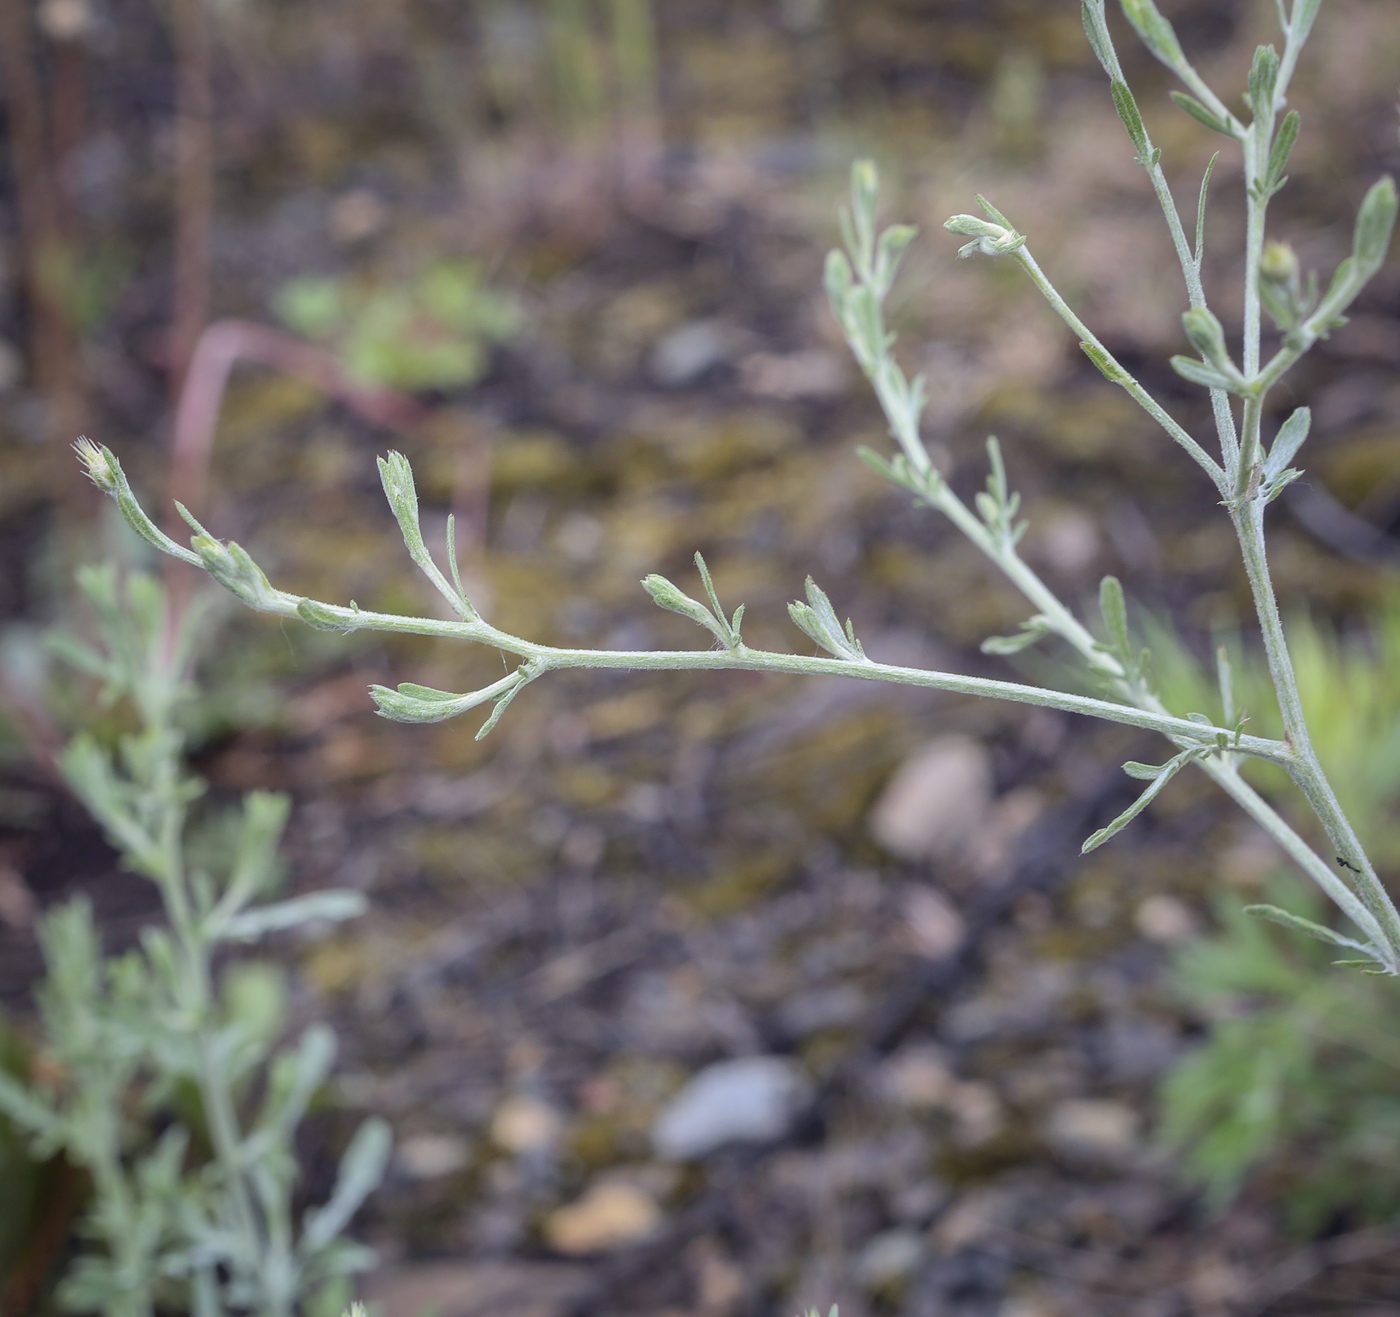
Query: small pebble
{"x":753,"y":1099}
{"x":610,"y":1215}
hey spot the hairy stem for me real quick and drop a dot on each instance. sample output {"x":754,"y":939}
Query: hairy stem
{"x":1121,"y":376}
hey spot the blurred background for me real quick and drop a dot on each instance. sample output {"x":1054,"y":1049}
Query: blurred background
{"x":565,"y":254}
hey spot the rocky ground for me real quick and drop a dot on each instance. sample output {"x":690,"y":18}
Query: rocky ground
{"x":729,"y":994}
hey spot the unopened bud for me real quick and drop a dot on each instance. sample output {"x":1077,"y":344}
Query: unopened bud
{"x":1206,"y":335}
{"x":1279,"y":263}
{"x":95,"y":463}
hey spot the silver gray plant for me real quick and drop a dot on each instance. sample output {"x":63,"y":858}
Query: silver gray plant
{"x":1247,"y":476}
{"x":123,"y":1039}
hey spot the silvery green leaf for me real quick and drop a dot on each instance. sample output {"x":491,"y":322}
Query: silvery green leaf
{"x":866,"y":326}
{"x":1115,"y":616}
{"x":412,"y":703}
{"x":1156,"y":33}
{"x":324,"y":617}
{"x":1290,"y":438}
{"x":1263,"y":77}
{"x":334,"y":903}
{"x":293,"y":1080}
{"x":254,"y":864}
{"x":1207,"y":337}
{"x":993,"y":213}
{"x":418,"y":704}
{"x":1306,"y":926}
{"x":1097,"y":31}
{"x":865,"y":186}
{"x":1132,"y":120}
{"x":848,"y":233}
{"x":838,"y":279}
{"x":1143,"y":772}
{"x":31,"y":1115}
{"x":883,"y":466}
{"x":1108,"y":367}
{"x":1197,"y":111}
{"x":340,"y":1258}
{"x":76,"y":654}
{"x":396,"y":475}
{"x":1164,"y":774}
{"x":970,"y":226}
{"x":231,"y":566}
{"x":1375,"y":222}
{"x":1226,"y":680}
{"x":1033,"y":629}
{"x":361,"y":1170}
{"x":1302,"y":18}
{"x":1201,"y":211}
{"x":1280,"y":151}
{"x":1276,"y":486}
{"x":726,"y":632}
{"x":890,"y":250}
{"x":672,"y":598}
{"x":467,"y":609}
{"x":502,"y":705}
{"x":817,"y":619}
{"x":1199,"y":373}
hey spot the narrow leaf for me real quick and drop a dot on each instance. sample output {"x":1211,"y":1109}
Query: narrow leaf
{"x":1108,"y":368}
{"x":1281,"y":150}
{"x":1164,"y":775}
{"x":1156,"y":33}
{"x":1374,"y":224}
{"x":1225,"y":677}
{"x":1097,"y":31}
{"x":1115,"y":615}
{"x":1301,"y":20}
{"x":1201,"y":211}
{"x":1143,"y":772}
{"x":838,"y":280}
{"x":992,"y":212}
{"x":1032,"y":629}
{"x":709,"y":584}
{"x":361,"y":1170}
{"x":323,"y":617}
{"x":501,"y":706}
{"x":1132,"y":119}
{"x":1287,"y":442}
{"x":1196,"y":110}
{"x":1199,"y":373}
{"x":1263,"y":77}
{"x":1300,"y":925}
{"x":334,"y":903}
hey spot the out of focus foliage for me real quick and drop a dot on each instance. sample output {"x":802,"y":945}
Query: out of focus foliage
{"x":433,"y":331}
{"x":1297,"y":1081}
{"x":163,"y":1080}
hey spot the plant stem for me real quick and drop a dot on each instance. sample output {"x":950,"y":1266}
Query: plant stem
{"x":1306,"y":770}
{"x":1122,"y":377}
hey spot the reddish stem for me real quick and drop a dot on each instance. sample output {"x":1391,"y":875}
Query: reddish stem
{"x":227,"y":341}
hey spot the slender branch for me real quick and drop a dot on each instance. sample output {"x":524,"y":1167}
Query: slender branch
{"x":1118,"y":374}
{"x":233,"y":569}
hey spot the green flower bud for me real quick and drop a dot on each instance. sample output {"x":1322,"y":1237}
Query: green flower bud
{"x":1279,"y":263}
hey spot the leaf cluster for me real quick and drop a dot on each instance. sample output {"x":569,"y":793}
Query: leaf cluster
{"x":199,"y":1216}
{"x":429,"y":331}
{"x":1296,"y":1080}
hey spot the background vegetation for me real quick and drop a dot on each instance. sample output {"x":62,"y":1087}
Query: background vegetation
{"x":605,"y":223}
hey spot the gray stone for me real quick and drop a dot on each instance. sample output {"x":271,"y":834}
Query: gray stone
{"x":753,"y":1099}
{"x":688,"y":351}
